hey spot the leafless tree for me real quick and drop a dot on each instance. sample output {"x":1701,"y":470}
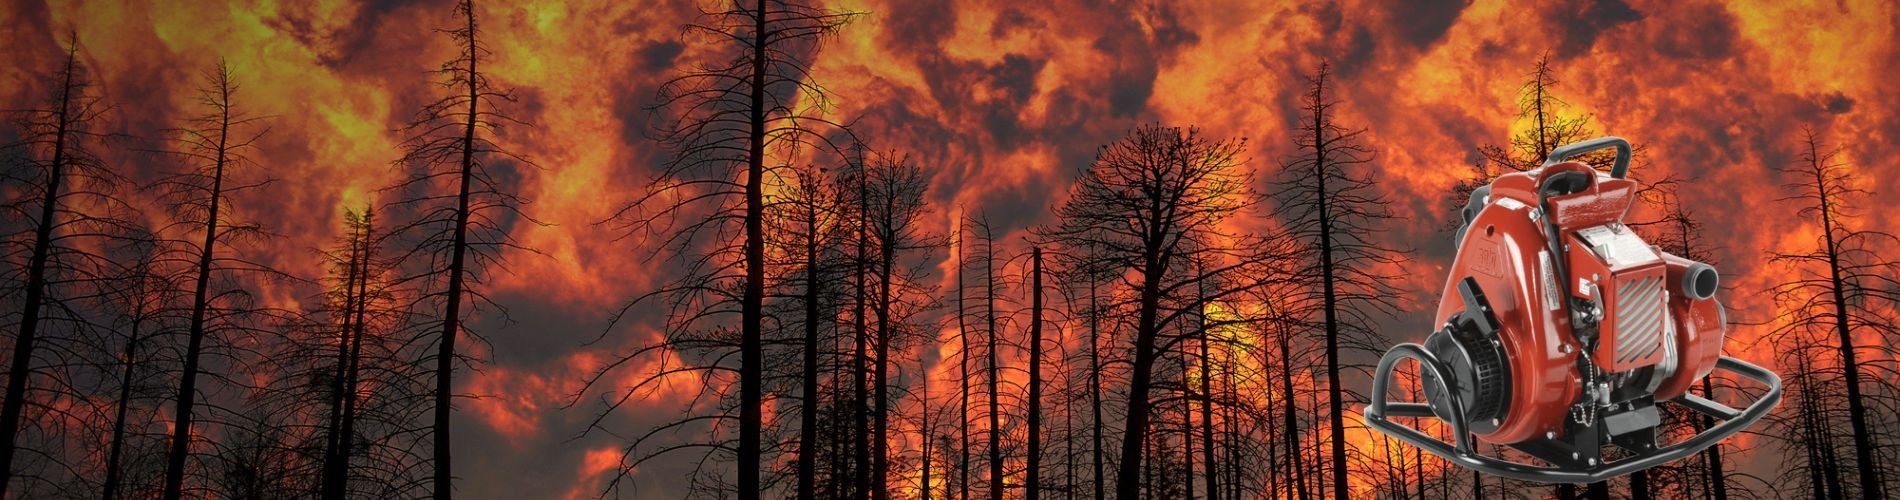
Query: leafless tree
{"x":707,"y":205}
{"x":1032,"y":480}
{"x":1549,"y":127}
{"x":455,"y":205}
{"x":145,"y":309}
{"x":1330,"y":202}
{"x":896,"y":219}
{"x":812,"y":221}
{"x":992,"y":370}
{"x":1146,"y":207}
{"x":214,"y":147}
{"x":62,"y":215}
{"x":1845,"y":287}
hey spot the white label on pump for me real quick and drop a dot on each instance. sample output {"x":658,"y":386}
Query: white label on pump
{"x":1550,"y":280}
{"x":1617,"y":246}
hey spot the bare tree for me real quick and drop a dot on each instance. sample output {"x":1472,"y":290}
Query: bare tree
{"x":146,"y":297}
{"x":454,"y":202}
{"x":214,"y":146}
{"x":1032,"y":481}
{"x":1549,"y":127}
{"x":62,"y":215}
{"x":1845,"y":286}
{"x":895,"y":219}
{"x":725,"y":118}
{"x":963,"y":372}
{"x":370,"y":382}
{"x":812,"y":223}
{"x":1330,"y":203}
{"x":992,"y":374}
{"x":1148,"y":205}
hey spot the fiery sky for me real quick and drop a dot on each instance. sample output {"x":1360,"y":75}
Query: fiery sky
{"x":1001,"y":101}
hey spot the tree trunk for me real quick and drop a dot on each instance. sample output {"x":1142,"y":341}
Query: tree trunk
{"x":923,"y":431}
{"x":1033,"y":472}
{"x":861,"y":398}
{"x":188,"y":381}
{"x":963,"y":381}
{"x":1095,"y":389}
{"x":808,"y":421}
{"x":353,"y":382}
{"x":887,"y":257}
{"x":21,"y":370}
{"x":989,"y":311}
{"x":1330,"y":303}
{"x":1127,"y":484}
{"x":452,"y":312}
{"x":116,"y":448}
{"x":751,"y":348}
{"x":1207,"y":405}
{"x":1856,"y":412}
{"x":1292,"y":419}
{"x":332,"y":468}
{"x":1599,"y":490}
{"x":1187,"y":423}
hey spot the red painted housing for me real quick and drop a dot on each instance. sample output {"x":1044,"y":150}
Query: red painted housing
{"x":1648,"y":318}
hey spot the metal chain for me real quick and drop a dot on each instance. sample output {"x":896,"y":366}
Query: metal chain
{"x":1585,"y":413}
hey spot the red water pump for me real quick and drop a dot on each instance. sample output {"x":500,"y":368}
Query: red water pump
{"x":1563,"y":332}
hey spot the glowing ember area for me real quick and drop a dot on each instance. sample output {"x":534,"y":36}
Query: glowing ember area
{"x":944,"y":249}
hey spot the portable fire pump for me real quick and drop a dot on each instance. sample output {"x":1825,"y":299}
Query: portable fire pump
{"x":1564,"y":331}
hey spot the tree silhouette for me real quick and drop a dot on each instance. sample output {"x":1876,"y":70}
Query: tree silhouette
{"x":146,"y":298}
{"x":963,"y":371}
{"x":895,"y":219}
{"x":860,"y":324}
{"x":1148,"y":205}
{"x":1331,"y":204}
{"x":1032,"y":481}
{"x":214,"y":146}
{"x":811,"y":221}
{"x":1278,"y":326}
{"x":726,"y":117}
{"x":456,"y":205}
{"x":1845,"y":286}
{"x":1549,"y":128}
{"x":992,"y":374}
{"x":63,"y":212}
{"x":372,"y":388}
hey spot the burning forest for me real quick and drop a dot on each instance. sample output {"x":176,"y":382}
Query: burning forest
{"x":893,"y":249}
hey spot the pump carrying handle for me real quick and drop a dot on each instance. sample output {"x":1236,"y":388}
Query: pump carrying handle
{"x":1566,"y":152}
{"x":1464,"y":451}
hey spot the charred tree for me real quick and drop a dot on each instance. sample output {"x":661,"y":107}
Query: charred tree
{"x":359,"y":263}
{"x":963,"y":375}
{"x":146,"y":295}
{"x":992,"y":375}
{"x":1290,"y":408}
{"x":1549,"y":127}
{"x":214,"y":146}
{"x":1032,"y":475}
{"x":708,"y":203}
{"x":455,"y":200}
{"x":860,"y":323}
{"x":811,"y":225}
{"x":1331,"y":205}
{"x":1845,"y":286}
{"x":64,"y":218}
{"x":896,"y":218}
{"x":1148,"y":205}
